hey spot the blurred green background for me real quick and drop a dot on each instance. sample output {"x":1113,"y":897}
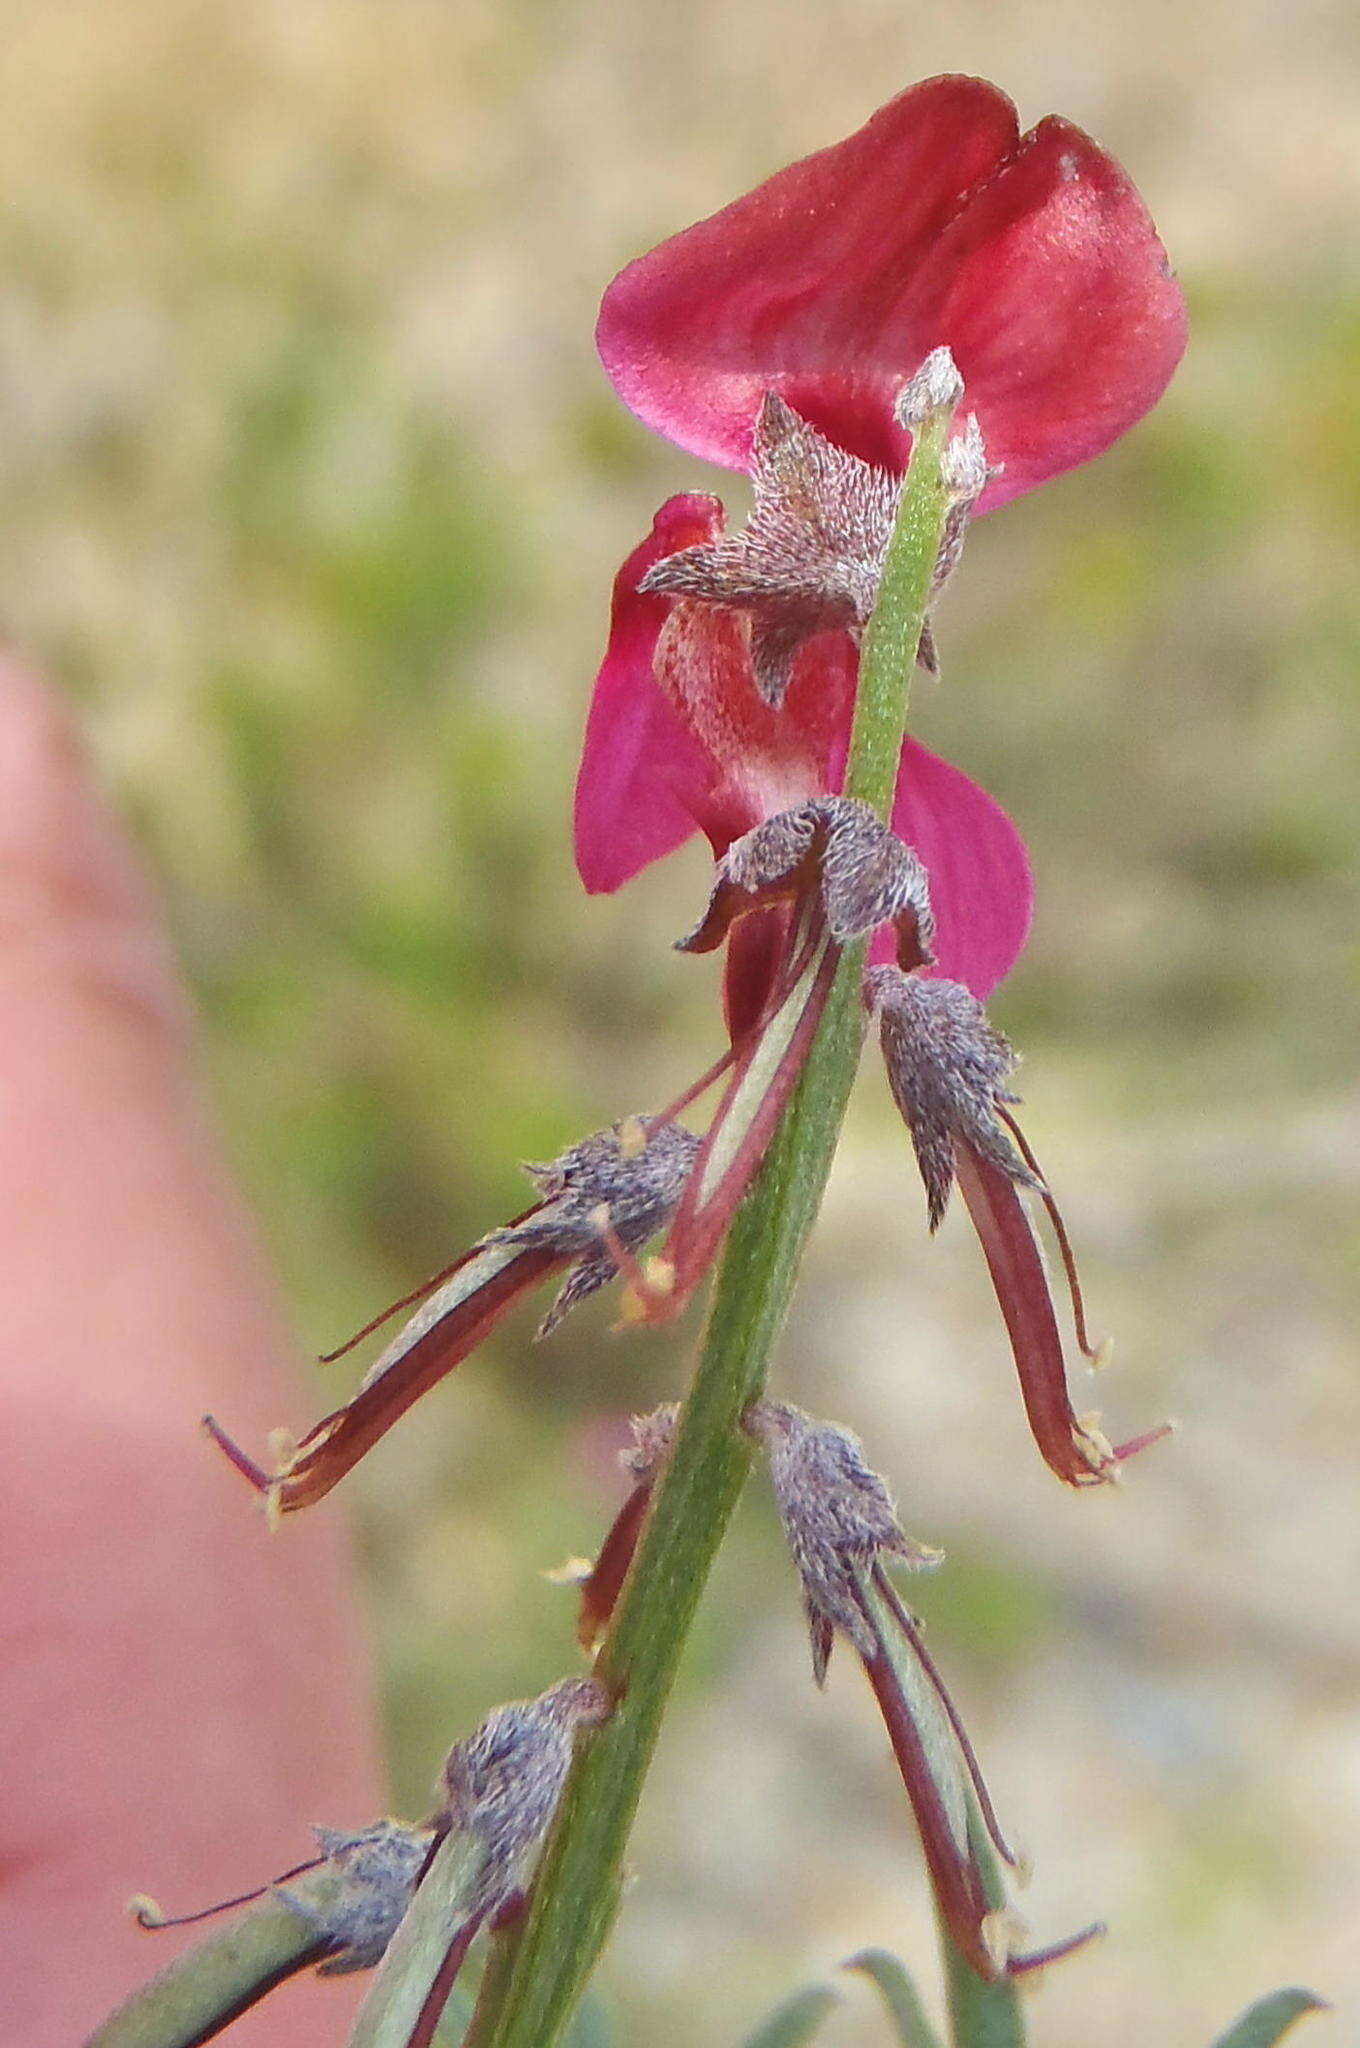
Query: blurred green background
{"x":312,"y":493}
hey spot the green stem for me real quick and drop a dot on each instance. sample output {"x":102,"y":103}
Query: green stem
{"x":576,"y":1894}
{"x":205,"y":1989}
{"x":577,"y":1890}
{"x":888,"y":655}
{"x":981,"y":2015}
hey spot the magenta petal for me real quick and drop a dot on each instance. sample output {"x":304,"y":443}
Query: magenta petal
{"x":980,"y":884}
{"x":1055,"y":294}
{"x":1032,"y":257}
{"x":806,"y":285}
{"x":757,"y":947}
{"x":641,"y":776}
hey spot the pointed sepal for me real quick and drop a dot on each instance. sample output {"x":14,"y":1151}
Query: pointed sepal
{"x":810,"y":558}
{"x":947,"y":1069}
{"x":836,"y":853}
{"x":501,"y":1785}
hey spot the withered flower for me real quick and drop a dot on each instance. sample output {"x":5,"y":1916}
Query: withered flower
{"x":599,"y":1202}
{"x":353,"y":1895}
{"x":841,"y":1527}
{"x":948,"y":1069}
{"x":502,"y":1782}
{"x":838,"y":1517}
{"x":380,"y":1867}
{"x":501,"y":1785}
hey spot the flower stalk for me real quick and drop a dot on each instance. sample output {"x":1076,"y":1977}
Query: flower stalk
{"x":893,"y":633}
{"x":982,"y":2014}
{"x":224,"y":1974}
{"x":576,"y":1893}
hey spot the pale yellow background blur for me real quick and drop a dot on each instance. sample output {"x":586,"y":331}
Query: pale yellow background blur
{"x":311,"y":491}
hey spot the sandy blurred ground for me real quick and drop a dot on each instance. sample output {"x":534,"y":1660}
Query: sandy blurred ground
{"x":312,"y":493}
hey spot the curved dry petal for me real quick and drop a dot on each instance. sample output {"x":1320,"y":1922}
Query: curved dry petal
{"x":766,"y":1068}
{"x":947,"y":1069}
{"x":615,"y":1188}
{"x":601,"y":1587}
{"x":484,"y":1288}
{"x":1077,"y":1454}
{"x":652,"y":1436}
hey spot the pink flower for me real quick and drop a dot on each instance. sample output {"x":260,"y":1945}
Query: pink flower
{"x":1031,"y":257}
{"x":1034,"y":261}
{"x":700,"y":749}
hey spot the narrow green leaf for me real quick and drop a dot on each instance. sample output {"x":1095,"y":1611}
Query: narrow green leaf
{"x":1270,"y":2019}
{"x":795,"y":2022}
{"x":899,"y":1994}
